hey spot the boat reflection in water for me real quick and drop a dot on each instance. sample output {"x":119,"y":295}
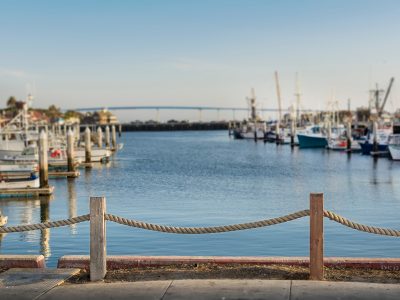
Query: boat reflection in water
{"x":22,"y":211}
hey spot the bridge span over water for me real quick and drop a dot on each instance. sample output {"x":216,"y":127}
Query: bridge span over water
{"x":172,"y":107}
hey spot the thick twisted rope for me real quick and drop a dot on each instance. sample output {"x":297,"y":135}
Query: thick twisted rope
{"x":370,"y":229}
{"x":44,"y":225}
{"x":203,"y":230}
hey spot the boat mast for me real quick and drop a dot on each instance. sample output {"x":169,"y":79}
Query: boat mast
{"x":297,"y":94}
{"x":278,"y":93}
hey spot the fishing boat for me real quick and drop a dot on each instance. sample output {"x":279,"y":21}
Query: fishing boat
{"x":382,"y":142}
{"x":16,"y":183}
{"x":56,"y":157}
{"x":97,"y":154}
{"x":254,"y":128}
{"x":394,"y":146}
{"x":313,"y":137}
{"x":249,"y":131}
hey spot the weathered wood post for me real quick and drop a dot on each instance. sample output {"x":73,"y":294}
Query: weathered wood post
{"x":317,"y":236}
{"x":98,"y":254}
{"x":113,"y":138}
{"x":348,"y":131}
{"x":99,"y":137}
{"x":375,"y":136}
{"x":107,"y":137}
{"x":119,"y":130}
{"x":292,"y":133}
{"x":43,"y":163}
{"x":70,"y":151}
{"x":88,"y":146}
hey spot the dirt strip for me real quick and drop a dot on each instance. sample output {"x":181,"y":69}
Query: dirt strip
{"x":213,"y":271}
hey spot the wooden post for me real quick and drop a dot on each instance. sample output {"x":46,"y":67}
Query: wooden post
{"x":70,"y":151}
{"x":107,"y":137}
{"x":113,"y":138}
{"x":98,"y":254}
{"x":119,"y":130}
{"x":348,"y":131}
{"x":316,"y":236}
{"x":99,"y":137}
{"x":88,"y":146}
{"x":292,"y":132}
{"x":375,"y":136}
{"x":77,"y":131}
{"x":43,"y":163}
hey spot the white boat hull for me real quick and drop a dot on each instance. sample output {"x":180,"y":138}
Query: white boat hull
{"x":394,"y":151}
{"x":19,"y":184}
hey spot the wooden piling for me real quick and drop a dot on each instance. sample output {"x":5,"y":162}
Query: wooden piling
{"x":375,"y":136}
{"x":107,"y":137}
{"x":119,"y":130}
{"x":98,"y":254}
{"x":88,"y":146}
{"x":43,"y":162}
{"x":70,"y":151}
{"x":348,"y":131}
{"x":316,"y":236}
{"x":99,"y":137}
{"x":292,"y":133}
{"x":113,"y":138}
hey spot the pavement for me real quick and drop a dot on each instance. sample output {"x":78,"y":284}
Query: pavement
{"x":49,"y":285}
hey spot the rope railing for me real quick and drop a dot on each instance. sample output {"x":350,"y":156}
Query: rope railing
{"x":203,"y":230}
{"x":44,"y":225}
{"x":361,"y":227}
{"x":98,"y":218}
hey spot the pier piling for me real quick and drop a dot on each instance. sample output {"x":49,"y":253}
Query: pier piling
{"x":98,"y":253}
{"x":99,"y":137}
{"x":43,"y":162}
{"x":316,"y":236}
{"x":292,"y":133}
{"x":348,"y":131}
{"x":88,"y":146}
{"x":107,"y":137}
{"x":375,"y":136}
{"x":119,"y":130}
{"x":113,"y":138}
{"x":70,"y":151}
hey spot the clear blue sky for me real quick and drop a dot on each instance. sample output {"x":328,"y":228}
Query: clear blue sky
{"x":103,"y":53}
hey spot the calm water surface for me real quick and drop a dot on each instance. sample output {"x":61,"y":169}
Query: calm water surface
{"x":206,"y":178}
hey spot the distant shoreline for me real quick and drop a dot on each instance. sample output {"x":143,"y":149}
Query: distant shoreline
{"x":175,"y":126}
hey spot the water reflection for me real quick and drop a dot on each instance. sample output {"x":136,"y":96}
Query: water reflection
{"x":23,"y":210}
{"x":72,"y":211}
{"x":45,"y":233}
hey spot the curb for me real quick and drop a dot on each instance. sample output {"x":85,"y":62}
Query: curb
{"x":22,"y":261}
{"x":124,"y":262}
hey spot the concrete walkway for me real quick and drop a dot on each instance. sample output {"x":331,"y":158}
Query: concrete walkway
{"x":222,"y":289}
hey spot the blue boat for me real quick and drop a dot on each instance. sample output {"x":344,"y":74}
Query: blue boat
{"x":312,"y":141}
{"x":367,"y":147}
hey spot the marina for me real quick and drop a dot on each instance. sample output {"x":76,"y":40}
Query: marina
{"x":155,"y":178}
{"x":199,"y":149}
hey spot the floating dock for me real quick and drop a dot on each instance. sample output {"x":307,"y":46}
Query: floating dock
{"x":45,"y":191}
{"x":69,"y":174}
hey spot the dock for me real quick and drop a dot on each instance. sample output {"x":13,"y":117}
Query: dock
{"x":69,"y":174}
{"x":43,"y":191}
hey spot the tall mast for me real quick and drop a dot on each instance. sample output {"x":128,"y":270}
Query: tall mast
{"x":278,"y":93}
{"x":297,"y":94}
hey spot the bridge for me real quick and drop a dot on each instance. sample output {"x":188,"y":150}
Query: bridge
{"x":171,"y":107}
